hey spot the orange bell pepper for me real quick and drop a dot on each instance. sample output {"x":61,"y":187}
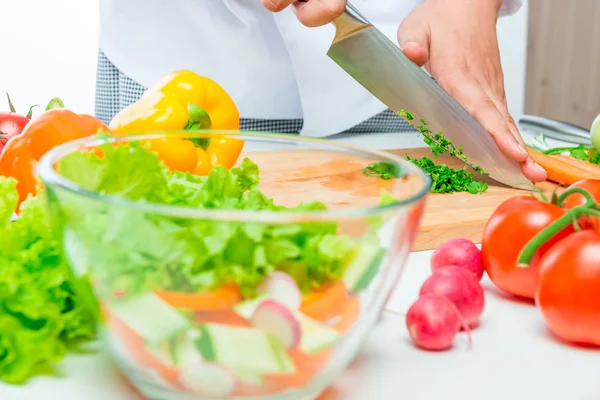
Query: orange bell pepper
{"x":52,"y":128}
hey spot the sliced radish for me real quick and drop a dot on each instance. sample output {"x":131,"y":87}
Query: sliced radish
{"x":279,"y":321}
{"x":207,"y":379}
{"x":283,"y":288}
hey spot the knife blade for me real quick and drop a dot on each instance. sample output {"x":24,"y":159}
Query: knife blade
{"x":381,"y":67}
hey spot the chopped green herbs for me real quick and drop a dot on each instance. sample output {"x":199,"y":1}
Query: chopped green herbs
{"x":448,"y":180}
{"x":443,"y":178}
{"x":439,"y":144}
{"x":383,"y":170}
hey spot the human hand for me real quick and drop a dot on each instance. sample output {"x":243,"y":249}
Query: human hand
{"x":310,"y":13}
{"x":456,"y":41}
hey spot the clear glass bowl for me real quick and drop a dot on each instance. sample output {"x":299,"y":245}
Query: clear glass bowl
{"x":212,"y":302}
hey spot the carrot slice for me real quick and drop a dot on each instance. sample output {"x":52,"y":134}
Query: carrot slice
{"x":325,"y":303}
{"x":584,"y":165}
{"x":307,"y":366}
{"x":221,"y":317}
{"x":348,"y":315}
{"x":221,"y":299}
{"x":560,"y":171}
{"x":136,"y":349}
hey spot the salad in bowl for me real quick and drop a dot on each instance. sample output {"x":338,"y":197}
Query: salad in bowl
{"x":235,"y":281}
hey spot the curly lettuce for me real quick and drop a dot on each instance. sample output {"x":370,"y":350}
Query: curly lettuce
{"x":40,"y":313}
{"x":135,"y":252}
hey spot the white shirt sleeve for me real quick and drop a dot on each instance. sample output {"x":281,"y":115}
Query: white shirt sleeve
{"x":509,"y":7}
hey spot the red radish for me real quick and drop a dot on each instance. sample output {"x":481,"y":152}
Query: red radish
{"x":433,"y":321}
{"x":459,"y":286}
{"x":459,"y":252}
{"x":207,"y":379}
{"x":279,"y":321}
{"x":283,"y":288}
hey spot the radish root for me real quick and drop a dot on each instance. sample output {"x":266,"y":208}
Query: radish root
{"x":398,"y":313}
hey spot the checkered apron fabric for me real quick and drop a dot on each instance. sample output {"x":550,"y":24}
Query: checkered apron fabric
{"x":115,"y":91}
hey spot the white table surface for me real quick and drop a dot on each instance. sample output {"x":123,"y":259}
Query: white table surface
{"x":513,"y":357}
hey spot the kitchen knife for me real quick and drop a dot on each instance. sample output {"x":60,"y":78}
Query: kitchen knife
{"x":379,"y":65}
{"x":555,"y":129}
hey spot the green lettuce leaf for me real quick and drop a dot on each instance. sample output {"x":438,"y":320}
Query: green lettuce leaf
{"x":40,"y":312}
{"x":134,"y":252}
{"x":115,"y":174}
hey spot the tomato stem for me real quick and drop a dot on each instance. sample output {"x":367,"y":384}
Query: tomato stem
{"x":540,"y":193}
{"x":529,"y":250}
{"x":554,"y":199}
{"x":30,"y":112}
{"x":10,"y":104}
{"x":562,"y":197}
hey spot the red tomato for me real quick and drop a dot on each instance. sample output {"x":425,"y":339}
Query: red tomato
{"x":11,"y":124}
{"x":512,"y":225}
{"x":568,"y":293}
{"x":592,"y":186}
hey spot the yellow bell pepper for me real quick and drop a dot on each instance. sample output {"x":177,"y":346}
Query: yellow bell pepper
{"x":184,"y":100}
{"x":164,"y":106}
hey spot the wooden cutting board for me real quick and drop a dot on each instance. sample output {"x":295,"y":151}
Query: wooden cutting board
{"x":294,"y":176}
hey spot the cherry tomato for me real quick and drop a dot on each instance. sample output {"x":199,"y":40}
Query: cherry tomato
{"x":512,"y":225}
{"x":568,"y":293}
{"x":177,"y":154}
{"x":11,"y":124}
{"x":592,"y":186}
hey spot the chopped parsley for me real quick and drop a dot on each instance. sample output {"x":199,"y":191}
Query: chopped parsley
{"x":443,"y":178}
{"x":449,"y":180}
{"x":438,"y":143}
{"x":383,"y":170}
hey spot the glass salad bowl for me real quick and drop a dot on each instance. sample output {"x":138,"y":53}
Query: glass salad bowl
{"x":256,"y":282}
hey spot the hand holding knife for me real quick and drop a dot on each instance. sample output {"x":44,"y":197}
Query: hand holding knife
{"x":483,"y":126}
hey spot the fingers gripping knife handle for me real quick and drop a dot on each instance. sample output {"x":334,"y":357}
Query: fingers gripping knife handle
{"x":349,"y":22}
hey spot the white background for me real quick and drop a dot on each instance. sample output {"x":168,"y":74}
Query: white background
{"x":48,"y":49}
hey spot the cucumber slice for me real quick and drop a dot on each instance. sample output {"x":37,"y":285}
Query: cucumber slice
{"x":246,"y":308}
{"x":363,"y":267}
{"x":178,"y":351}
{"x":151,"y":318}
{"x":315,"y":335}
{"x":243,"y":349}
